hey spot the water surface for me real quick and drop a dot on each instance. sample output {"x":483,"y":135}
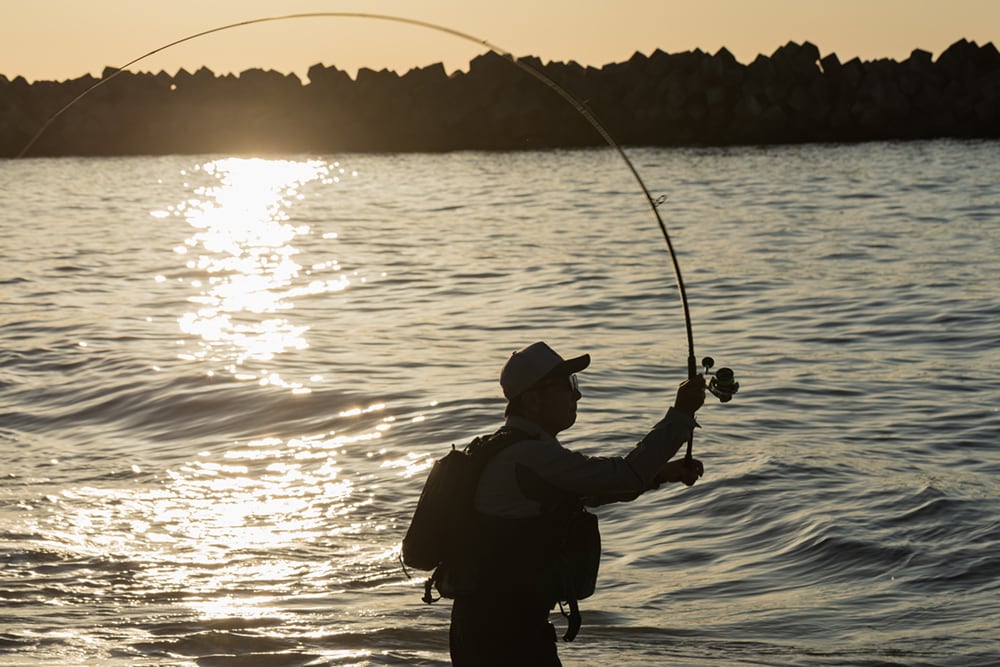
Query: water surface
{"x":223,"y":380}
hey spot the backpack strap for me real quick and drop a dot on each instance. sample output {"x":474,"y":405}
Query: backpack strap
{"x":574,"y":618}
{"x":428,"y":596}
{"x":484,"y":448}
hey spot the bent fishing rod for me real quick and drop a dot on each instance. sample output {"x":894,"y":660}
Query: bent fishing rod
{"x":722,"y":384}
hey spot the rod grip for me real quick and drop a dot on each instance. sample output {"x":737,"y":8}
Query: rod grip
{"x":692,"y":373}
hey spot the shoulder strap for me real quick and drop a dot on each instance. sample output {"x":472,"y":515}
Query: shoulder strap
{"x":484,"y":448}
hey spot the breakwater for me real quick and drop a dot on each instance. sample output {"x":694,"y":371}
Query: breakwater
{"x":690,"y":98}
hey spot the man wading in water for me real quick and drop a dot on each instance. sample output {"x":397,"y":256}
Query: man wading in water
{"x":533,"y":545}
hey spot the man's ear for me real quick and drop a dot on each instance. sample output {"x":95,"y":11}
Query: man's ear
{"x":531,"y":402}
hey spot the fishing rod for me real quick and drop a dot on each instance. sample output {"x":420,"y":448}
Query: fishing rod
{"x":722,"y":384}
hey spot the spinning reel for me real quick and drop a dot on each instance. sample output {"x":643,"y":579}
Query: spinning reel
{"x":723,"y":383}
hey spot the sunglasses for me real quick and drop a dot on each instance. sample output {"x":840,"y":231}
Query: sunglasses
{"x":573,"y":384}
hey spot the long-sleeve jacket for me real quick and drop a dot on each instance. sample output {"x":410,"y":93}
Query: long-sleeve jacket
{"x":594,"y":479}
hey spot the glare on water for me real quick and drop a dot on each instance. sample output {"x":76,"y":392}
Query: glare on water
{"x":244,"y":247}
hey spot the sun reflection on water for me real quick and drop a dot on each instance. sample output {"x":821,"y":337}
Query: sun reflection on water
{"x":236,"y":533}
{"x":257,"y":527}
{"x":244,"y":255}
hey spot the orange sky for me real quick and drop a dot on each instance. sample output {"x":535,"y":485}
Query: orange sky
{"x":62,"y":39}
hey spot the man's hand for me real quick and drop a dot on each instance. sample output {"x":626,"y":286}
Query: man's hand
{"x":680,"y":470}
{"x":691,"y":395}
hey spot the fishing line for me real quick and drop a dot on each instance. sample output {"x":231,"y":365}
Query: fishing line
{"x":727,"y":388}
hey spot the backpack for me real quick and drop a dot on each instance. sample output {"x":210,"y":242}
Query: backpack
{"x":446,"y":508}
{"x":445,"y":519}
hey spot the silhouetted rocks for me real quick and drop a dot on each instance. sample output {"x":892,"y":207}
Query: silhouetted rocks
{"x":690,"y":98}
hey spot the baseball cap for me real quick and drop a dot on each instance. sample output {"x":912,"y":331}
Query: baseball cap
{"x":531,"y":365}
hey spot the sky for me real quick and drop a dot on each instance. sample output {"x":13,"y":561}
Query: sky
{"x":66,"y":39}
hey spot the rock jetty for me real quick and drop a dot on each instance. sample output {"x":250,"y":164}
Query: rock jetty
{"x":691,"y":98}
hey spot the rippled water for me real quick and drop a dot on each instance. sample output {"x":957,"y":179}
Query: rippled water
{"x":222,"y":381}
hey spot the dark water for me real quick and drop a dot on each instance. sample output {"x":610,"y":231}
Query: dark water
{"x":222,"y":382}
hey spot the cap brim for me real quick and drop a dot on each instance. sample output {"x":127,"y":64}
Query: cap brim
{"x":570,"y":366}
